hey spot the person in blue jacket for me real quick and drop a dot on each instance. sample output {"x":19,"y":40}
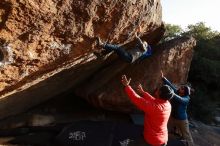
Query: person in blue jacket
{"x":141,"y":51}
{"x":179,"y":103}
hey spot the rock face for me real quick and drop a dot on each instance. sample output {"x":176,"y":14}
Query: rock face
{"x":44,"y":34}
{"x":47,"y":46}
{"x":173,"y":58}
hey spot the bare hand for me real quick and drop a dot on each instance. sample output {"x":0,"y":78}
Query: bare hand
{"x":125,"y":81}
{"x":162,"y":76}
{"x":138,"y":29}
{"x":136,"y":34}
{"x":140,"y":89}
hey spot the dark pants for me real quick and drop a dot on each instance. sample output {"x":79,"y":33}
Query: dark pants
{"x":120,"y":51}
{"x":141,"y":142}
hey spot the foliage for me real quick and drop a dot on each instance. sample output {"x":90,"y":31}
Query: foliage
{"x":205,"y":68}
{"x":200,"y":31}
{"x":172,"y":31}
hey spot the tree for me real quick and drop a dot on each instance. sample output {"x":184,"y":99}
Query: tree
{"x":205,"y":68}
{"x":200,"y":31}
{"x":204,"y":71}
{"x":172,"y":31}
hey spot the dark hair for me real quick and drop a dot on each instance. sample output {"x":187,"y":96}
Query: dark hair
{"x":186,"y":90}
{"x":165,"y":92}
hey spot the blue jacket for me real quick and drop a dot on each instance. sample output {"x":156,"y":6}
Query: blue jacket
{"x":146,"y":53}
{"x":179,"y":103}
{"x":138,"y":54}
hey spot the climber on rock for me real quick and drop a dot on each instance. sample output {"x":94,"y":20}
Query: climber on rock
{"x":179,"y":105}
{"x":157,"y":110}
{"x":139,"y":52}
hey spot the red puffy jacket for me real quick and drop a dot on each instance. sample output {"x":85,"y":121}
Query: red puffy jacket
{"x":157,"y":112}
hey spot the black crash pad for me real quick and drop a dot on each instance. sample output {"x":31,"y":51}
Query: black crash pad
{"x":102,"y":133}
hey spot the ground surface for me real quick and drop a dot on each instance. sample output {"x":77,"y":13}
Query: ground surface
{"x":42,"y":124}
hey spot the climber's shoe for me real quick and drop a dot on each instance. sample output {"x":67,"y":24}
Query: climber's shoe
{"x":99,"y":42}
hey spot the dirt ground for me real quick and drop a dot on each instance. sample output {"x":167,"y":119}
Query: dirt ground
{"x":41,"y":125}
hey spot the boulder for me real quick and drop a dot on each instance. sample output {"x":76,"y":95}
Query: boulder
{"x":46,"y":46}
{"x":172,"y":57}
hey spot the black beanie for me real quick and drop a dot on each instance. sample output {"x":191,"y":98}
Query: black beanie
{"x":165,"y":92}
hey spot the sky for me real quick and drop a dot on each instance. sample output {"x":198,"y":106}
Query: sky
{"x":185,"y":12}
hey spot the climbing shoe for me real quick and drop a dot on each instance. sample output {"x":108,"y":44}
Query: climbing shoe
{"x":99,"y":42}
